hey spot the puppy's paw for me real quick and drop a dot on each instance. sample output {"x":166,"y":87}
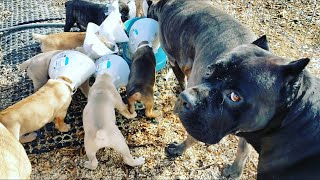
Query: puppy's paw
{"x":136,"y":161}
{"x":28,"y":138}
{"x":90,"y":165}
{"x":153,"y":114}
{"x":232,"y":171}
{"x":64,"y":127}
{"x":133,"y":115}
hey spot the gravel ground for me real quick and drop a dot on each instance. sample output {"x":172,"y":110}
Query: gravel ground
{"x":293,"y":31}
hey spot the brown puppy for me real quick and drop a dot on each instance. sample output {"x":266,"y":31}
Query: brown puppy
{"x":60,"y":41}
{"x":14,"y":160}
{"x":50,"y":102}
{"x":142,"y":79}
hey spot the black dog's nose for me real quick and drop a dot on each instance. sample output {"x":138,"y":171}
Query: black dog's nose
{"x":184,"y":100}
{"x":187,"y":100}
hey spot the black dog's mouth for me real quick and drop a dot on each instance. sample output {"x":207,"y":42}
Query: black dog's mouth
{"x":195,"y":127}
{"x":201,"y":128}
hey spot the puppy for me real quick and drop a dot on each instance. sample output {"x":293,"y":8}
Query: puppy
{"x":83,"y":12}
{"x":37,"y":69}
{"x":60,"y":41}
{"x":31,"y":113}
{"x":142,"y":79}
{"x":140,"y":6}
{"x":99,"y":122}
{"x":14,"y":160}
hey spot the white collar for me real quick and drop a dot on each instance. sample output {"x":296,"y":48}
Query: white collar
{"x":72,"y":88}
{"x":144,"y":45}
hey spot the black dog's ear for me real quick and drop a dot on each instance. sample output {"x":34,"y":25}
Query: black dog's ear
{"x":294,"y":68}
{"x":262,"y":42}
{"x":149,"y":2}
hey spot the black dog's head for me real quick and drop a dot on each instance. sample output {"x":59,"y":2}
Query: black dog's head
{"x":240,"y":92}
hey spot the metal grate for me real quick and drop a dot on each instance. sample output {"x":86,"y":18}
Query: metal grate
{"x":18,"y":47}
{"x":24,"y":12}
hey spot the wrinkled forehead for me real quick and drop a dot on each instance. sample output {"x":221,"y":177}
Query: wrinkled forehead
{"x":245,"y":52}
{"x":248,"y":64}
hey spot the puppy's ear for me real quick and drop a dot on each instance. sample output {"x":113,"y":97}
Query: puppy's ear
{"x":294,"y":68}
{"x":262,"y":42}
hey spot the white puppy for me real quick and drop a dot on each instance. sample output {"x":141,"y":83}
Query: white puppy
{"x":99,"y":122}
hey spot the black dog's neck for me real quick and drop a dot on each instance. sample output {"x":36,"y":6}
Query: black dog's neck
{"x":296,"y":122}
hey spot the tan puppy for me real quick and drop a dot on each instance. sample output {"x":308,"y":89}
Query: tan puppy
{"x":60,"y":41}
{"x":37,"y":69}
{"x":99,"y":122}
{"x":50,"y":102}
{"x":14,"y":160}
{"x":139,"y":6}
{"x":139,"y":12}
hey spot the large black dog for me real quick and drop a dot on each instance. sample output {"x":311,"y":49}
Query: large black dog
{"x":236,"y":86}
{"x":194,"y":34}
{"x":82,"y":12}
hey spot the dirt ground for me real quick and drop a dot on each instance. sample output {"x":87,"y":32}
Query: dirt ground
{"x":293,"y":31}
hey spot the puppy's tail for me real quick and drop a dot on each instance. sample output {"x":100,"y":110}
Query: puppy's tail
{"x":24,"y":65}
{"x":39,"y":37}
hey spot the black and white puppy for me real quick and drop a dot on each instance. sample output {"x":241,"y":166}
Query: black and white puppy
{"x":82,"y":12}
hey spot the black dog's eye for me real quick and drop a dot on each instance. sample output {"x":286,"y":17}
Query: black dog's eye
{"x":209,"y":70}
{"x":234,"y":97}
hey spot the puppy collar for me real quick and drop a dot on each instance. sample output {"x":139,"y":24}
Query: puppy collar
{"x":143,"y":44}
{"x":70,"y":86}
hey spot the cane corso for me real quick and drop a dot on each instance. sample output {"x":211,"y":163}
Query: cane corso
{"x":237,"y":86}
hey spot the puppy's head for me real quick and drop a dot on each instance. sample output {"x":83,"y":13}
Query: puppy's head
{"x":242,"y":91}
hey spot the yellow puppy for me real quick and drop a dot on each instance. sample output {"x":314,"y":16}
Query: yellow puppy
{"x":14,"y":160}
{"x":30,"y":114}
{"x":60,"y":41}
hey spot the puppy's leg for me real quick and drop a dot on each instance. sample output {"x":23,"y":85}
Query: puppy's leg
{"x":132,"y":99}
{"x":235,"y":170}
{"x":59,"y":119}
{"x":91,"y":149}
{"x":122,"y":108}
{"x":119,"y":144}
{"x":175,"y":149}
{"x":84,"y":87}
{"x":179,"y":75}
{"x":138,"y":7}
{"x":70,"y":20}
{"x":149,"y":102}
{"x":28,"y":138}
